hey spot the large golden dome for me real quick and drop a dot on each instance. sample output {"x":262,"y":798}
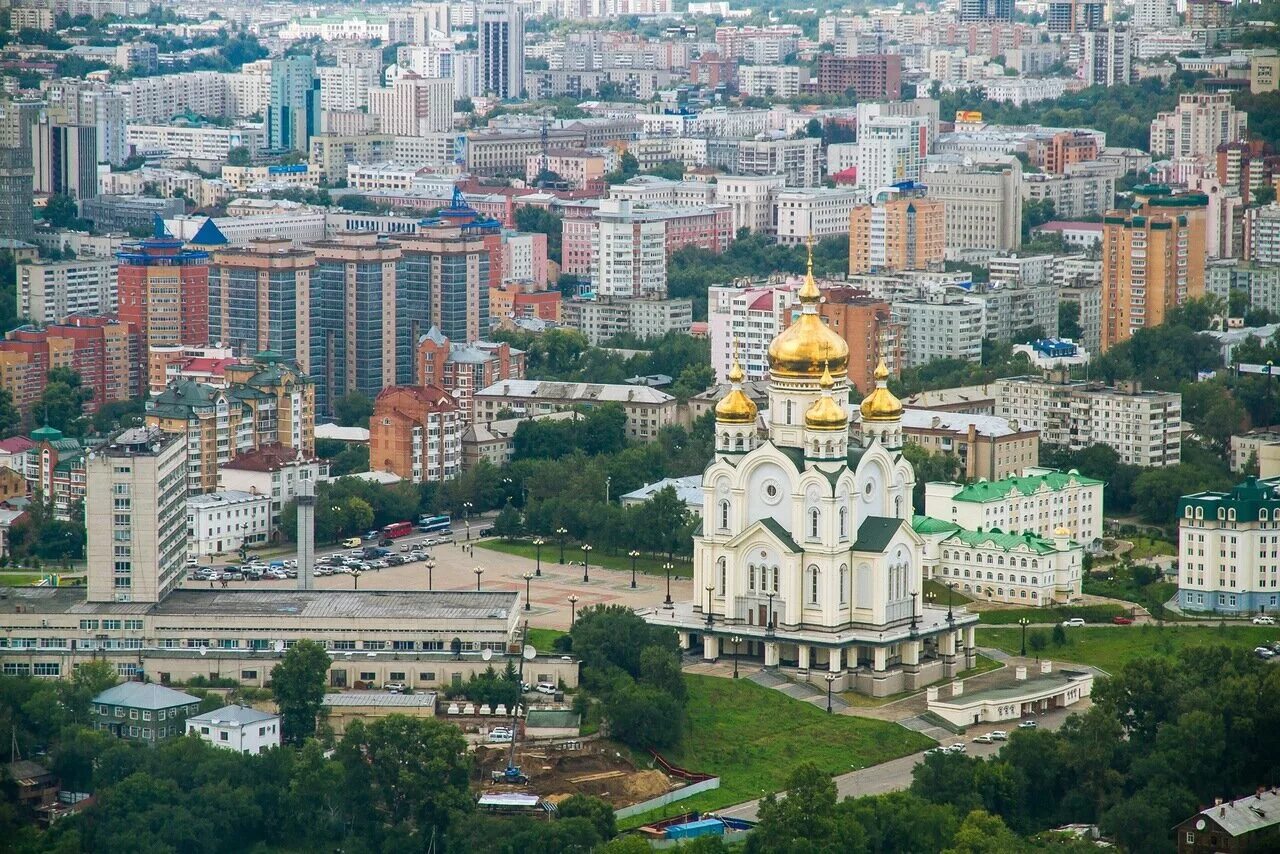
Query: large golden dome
{"x":825,"y":413}
{"x":735,"y":407}
{"x":881,"y":404}
{"x":804,"y":347}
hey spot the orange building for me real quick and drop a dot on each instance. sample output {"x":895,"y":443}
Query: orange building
{"x":904,"y":231}
{"x":463,"y":369}
{"x":98,"y":348}
{"x":1152,"y":260}
{"x":511,"y":300}
{"x":416,"y":433}
{"x":1061,"y":150}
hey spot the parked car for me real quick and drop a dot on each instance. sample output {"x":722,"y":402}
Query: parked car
{"x":998,"y":735}
{"x":1264,"y":620}
{"x":350,"y":542}
{"x":1122,"y":621}
{"x":958,"y":747}
{"x":395,"y":560}
{"x":983,"y":739}
{"x":378,"y":564}
{"x":500,"y":736}
{"x":1028,"y":725}
{"x":394,"y":687}
{"x":935,"y":751}
{"x":371,"y":535}
{"x":546,"y":688}
{"x":233,"y":575}
{"x":1263,"y":652}
{"x":1075,"y":622}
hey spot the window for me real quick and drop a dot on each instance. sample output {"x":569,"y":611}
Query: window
{"x":813,"y":585}
{"x":368,"y":676}
{"x":248,"y":674}
{"x":844,"y":523}
{"x":397,"y":676}
{"x":222,"y":736}
{"x":815,"y":521}
{"x":133,"y":714}
{"x":844,"y":584}
{"x":724,"y":515}
{"x":427,"y":676}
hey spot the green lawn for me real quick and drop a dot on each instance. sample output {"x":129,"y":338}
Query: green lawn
{"x":19,"y":579}
{"x":1052,"y":614}
{"x":939,"y":591}
{"x":543,"y":639}
{"x":645,"y":564}
{"x":1145,"y":547}
{"x":1110,"y":648}
{"x":751,"y":737}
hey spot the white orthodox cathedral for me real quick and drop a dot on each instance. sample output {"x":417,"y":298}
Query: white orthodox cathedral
{"x":806,"y":555}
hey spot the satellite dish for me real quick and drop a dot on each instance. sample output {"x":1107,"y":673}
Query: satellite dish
{"x":529,"y":652}
{"x":487,"y":654}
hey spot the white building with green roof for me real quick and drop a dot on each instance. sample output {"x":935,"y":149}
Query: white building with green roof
{"x":1229,"y":559}
{"x":1040,"y":502}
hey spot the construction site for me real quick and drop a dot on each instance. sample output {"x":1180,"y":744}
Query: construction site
{"x":600,"y":768}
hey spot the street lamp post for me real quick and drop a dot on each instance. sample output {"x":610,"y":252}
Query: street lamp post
{"x":913,"y":610}
{"x":586,"y":560}
{"x":710,"y":588}
{"x":573,"y":610}
{"x":831,"y":681}
{"x":538,"y":543}
{"x":608,"y":482}
{"x":667,"y":567}
{"x":768,"y":623}
{"x":466,"y":517}
{"x":633,"y":554}
{"x":355,"y":579}
{"x":951,"y":617}
{"x":431,"y":569}
{"x":735,"y":640}
{"x":528,"y":576}
{"x":560,"y":532}
{"x":1024,"y":622}
{"x":479,"y":572}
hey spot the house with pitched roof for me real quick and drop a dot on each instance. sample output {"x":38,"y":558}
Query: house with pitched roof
{"x":1040,"y":502}
{"x":142,"y":711}
{"x":237,"y":728}
{"x":1243,"y":826}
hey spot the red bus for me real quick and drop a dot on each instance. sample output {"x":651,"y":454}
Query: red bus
{"x":397,"y":529}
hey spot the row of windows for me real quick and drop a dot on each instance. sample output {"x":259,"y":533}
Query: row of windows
{"x":999,"y":559}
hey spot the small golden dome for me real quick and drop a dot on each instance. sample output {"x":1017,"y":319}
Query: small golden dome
{"x":803,"y":347}
{"x":881,"y":404}
{"x":735,"y":407}
{"x":1061,"y":532}
{"x":825,"y":413}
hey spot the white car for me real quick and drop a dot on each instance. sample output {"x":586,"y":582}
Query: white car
{"x":998,"y":735}
{"x":1264,"y":620}
{"x":958,"y":747}
{"x":983,"y":739}
{"x":394,"y":687}
{"x":500,"y":735}
{"x":1074,"y":622}
{"x":545,"y":688}
{"x":1028,"y":725}
{"x":1263,"y":652}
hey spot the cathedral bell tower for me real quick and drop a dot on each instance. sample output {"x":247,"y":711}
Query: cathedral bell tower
{"x":735,"y":417}
{"x":882,"y":413}
{"x":826,"y":427}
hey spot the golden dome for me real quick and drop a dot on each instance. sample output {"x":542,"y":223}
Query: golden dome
{"x":881,"y":404}
{"x":804,"y":346}
{"x":735,"y":407}
{"x":825,"y":413}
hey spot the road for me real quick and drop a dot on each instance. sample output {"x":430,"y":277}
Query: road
{"x":895,"y":774}
{"x":455,"y":570}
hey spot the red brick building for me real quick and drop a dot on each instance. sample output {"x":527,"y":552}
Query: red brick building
{"x":875,"y":77}
{"x":463,"y":369}
{"x":416,"y":433}
{"x":97,"y":347}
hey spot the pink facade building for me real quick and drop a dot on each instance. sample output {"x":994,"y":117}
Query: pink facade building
{"x":707,"y":226}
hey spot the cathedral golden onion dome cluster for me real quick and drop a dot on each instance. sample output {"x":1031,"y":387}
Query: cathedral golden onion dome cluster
{"x":736,"y":407}
{"x":881,"y":404}
{"x":805,"y":346}
{"x":826,"y":413}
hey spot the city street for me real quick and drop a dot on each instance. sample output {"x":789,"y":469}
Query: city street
{"x":455,"y":570}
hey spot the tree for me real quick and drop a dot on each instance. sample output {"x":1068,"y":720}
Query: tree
{"x":238,"y":156}
{"x":353,"y":410}
{"x":508,"y":523}
{"x":298,"y":683}
{"x":1069,"y":320}
{"x":529,"y":218}
{"x":1263,"y":195}
{"x":805,"y":820}
{"x":61,"y":404}
{"x":983,"y":833}
{"x":61,"y":211}
{"x":598,"y":812}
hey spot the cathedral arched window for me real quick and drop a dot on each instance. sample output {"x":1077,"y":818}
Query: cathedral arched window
{"x":844,"y":584}
{"x":897,"y":506}
{"x":774,"y":588}
{"x":737,"y":444}
{"x":724,"y":572}
{"x":751,"y":577}
{"x":844,"y":523}
{"x":813,"y":585}
{"x":724,"y":515}
{"x":815,"y":523}
{"x":788,"y":412}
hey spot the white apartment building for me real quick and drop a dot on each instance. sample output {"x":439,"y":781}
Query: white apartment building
{"x":940,"y":328}
{"x":891,"y":149}
{"x":752,"y":198}
{"x":501,"y":45}
{"x":265,"y":473}
{"x":1197,"y":126}
{"x":983,"y":202}
{"x":237,"y":728}
{"x":1262,"y":234}
{"x":222,"y":522}
{"x":607,"y":317}
{"x":1021,"y":269}
{"x":746,"y":319}
{"x":1228,"y":549}
{"x":197,"y":143}
{"x":769,"y":81}
{"x":1084,"y":193}
{"x":815,"y":212}
{"x":1024,"y":90}
{"x":1017,"y":568}
{"x":1040,"y":502}
{"x":1144,"y":427}
{"x":798,"y":160}
{"x":413,"y":106}
{"x":151,"y":100}
{"x":241,"y":230}
{"x":1155,"y":15}
{"x":630,"y":255}
{"x":249,"y":89}
{"x":48,"y":291}
{"x":1106,"y":57}
{"x":648,"y":410}
{"x":135,"y":503}
{"x":346,"y":87}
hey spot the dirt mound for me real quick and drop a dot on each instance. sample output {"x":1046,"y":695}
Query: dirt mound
{"x":600,"y":770}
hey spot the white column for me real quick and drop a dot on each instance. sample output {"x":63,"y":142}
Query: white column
{"x":881,"y":658}
{"x":834,"y":661}
{"x":771,"y":654}
{"x":803,"y":656}
{"x":710,"y":647}
{"x":911,"y":652}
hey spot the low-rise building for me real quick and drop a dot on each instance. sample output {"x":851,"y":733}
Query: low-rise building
{"x":1039,"y":502}
{"x":274,"y":470}
{"x":688,"y":490}
{"x":1227,"y":555}
{"x":814,"y":213}
{"x":237,"y":728}
{"x":416,"y":432}
{"x":494,"y":442}
{"x":648,"y":410}
{"x":987,"y":446}
{"x":370,"y":706}
{"x":1249,"y":447}
{"x":1022,"y":569}
{"x":227,"y":521}
{"x":1025,"y":697}
{"x":1247,"y":824}
{"x":142,"y":711}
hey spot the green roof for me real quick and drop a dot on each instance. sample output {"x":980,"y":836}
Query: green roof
{"x":1001,"y":540}
{"x":45,"y":434}
{"x":558,"y":718}
{"x":1246,"y":499}
{"x":995,"y":490}
{"x":783,"y":535}
{"x":930,"y":525}
{"x":875,"y":532}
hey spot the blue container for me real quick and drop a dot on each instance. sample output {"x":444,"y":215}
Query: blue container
{"x":694,"y":829}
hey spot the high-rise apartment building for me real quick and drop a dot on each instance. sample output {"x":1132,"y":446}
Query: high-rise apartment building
{"x":413,"y":106}
{"x":416,"y":432}
{"x":1074,"y":16}
{"x":49,"y":291}
{"x":874,"y":77}
{"x":867,"y":326}
{"x":891,"y":149}
{"x":1152,"y":260}
{"x":293,"y":114}
{"x":501,"y":42}
{"x":17,"y":177}
{"x":461,"y":368}
{"x":742,"y":322}
{"x":630,"y":257}
{"x":1262,"y":234}
{"x":260,"y":298}
{"x":354,"y":316}
{"x":1197,"y":126}
{"x":136,"y":516}
{"x":163,"y":293}
{"x":1155,"y":14}
{"x":983,"y":202}
{"x":65,"y":159}
{"x":1106,"y":57}
{"x":972,"y":11}
{"x":448,"y":267}
{"x":97,"y":347}
{"x":902,"y":229}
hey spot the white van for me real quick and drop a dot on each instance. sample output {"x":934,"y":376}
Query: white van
{"x":546,"y":688}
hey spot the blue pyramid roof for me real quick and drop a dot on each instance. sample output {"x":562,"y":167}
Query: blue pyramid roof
{"x":209,"y":235}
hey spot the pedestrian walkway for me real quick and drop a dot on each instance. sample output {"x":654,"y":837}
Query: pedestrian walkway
{"x":926,"y":727}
